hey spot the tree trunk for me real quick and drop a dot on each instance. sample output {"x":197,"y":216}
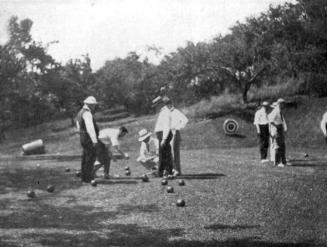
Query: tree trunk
{"x":245,"y":91}
{"x":72,"y":119}
{"x":2,"y":134}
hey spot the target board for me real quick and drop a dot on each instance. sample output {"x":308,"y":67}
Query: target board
{"x":230,"y":126}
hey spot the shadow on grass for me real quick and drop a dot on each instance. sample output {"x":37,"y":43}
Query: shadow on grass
{"x":17,"y":179}
{"x":230,"y":227}
{"x":308,"y":163}
{"x":76,"y":217}
{"x":202,"y":176}
{"x":237,"y":136}
{"x":133,"y":235}
{"x":116,"y":181}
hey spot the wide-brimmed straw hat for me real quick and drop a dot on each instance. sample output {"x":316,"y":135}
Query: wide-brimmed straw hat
{"x":143,"y":134}
{"x":160,"y":100}
{"x":280,"y":101}
{"x":274,"y":104}
{"x":90,"y":100}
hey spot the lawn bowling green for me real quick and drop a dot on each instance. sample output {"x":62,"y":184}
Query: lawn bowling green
{"x":231,"y":199}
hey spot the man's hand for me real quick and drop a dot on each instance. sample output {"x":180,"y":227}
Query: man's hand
{"x":162,"y":143}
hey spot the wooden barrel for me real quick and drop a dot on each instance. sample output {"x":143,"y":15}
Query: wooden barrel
{"x":35,"y":147}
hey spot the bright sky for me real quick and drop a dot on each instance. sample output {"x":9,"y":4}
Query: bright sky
{"x":106,"y":29}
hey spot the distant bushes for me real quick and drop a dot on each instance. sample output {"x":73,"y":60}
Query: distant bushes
{"x":291,"y":87}
{"x":215,"y":105}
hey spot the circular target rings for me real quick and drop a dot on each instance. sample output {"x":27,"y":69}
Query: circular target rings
{"x":230,"y":126}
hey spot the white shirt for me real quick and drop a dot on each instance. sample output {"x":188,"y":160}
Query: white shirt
{"x":88,"y":119}
{"x":149,"y":149}
{"x":163,"y":122}
{"x":178,"y":119}
{"x":261,"y":117}
{"x":276,"y":117}
{"x":323,"y":123}
{"x":109,"y":136}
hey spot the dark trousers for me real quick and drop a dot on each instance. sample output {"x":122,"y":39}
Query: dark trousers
{"x":88,"y":159}
{"x":165,"y":155}
{"x":280,"y":155}
{"x":264,"y":140}
{"x":176,"y":142}
{"x":104,"y":157}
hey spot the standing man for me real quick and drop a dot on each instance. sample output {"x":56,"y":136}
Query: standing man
{"x":164,"y":134}
{"x":262,"y":126}
{"x":323,"y":125}
{"x":278,"y":130}
{"x":109,"y":140}
{"x":89,"y":132}
{"x":272,"y":150}
{"x":178,"y":122}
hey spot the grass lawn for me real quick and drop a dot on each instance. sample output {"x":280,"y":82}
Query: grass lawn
{"x":242,"y":203}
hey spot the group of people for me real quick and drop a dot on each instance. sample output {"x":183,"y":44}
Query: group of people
{"x":161,"y":154}
{"x":271,"y":128}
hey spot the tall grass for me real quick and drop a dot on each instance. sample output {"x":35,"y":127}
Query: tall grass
{"x":216,"y":104}
{"x":289,"y":88}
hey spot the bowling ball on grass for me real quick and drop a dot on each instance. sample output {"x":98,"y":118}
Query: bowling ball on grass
{"x":164,"y":182}
{"x":31,"y":193}
{"x":181,"y":182}
{"x":170,"y":189}
{"x":145,"y":178}
{"x":180,"y":203}
{"x":94,"y":183}
{"x":50,"y":188}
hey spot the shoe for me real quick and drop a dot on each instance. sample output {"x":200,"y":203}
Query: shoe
{"x":106,"y":176}
{"x":264,"y":160}
{"x":175,"y":173}
{"x":280,"y":165}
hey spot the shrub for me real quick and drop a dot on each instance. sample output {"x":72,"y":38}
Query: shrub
{"x":214,"y":105}
{"x":290,"y":87}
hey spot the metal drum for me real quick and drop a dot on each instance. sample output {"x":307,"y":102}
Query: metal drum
{"x":35,"y":147}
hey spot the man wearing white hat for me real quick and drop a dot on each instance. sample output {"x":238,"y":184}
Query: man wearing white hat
{"x":89,"y":132}
{"x":277,"y":131}
{"x":178,"y":122}
{"x":272,"y":149}
{"x":261,"y":123}
{"x":164,"y":134}
{"x":149,"y":150}
{"x":323,"y":125}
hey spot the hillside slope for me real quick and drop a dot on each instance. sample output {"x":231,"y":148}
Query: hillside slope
{"x":303,"y":121}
